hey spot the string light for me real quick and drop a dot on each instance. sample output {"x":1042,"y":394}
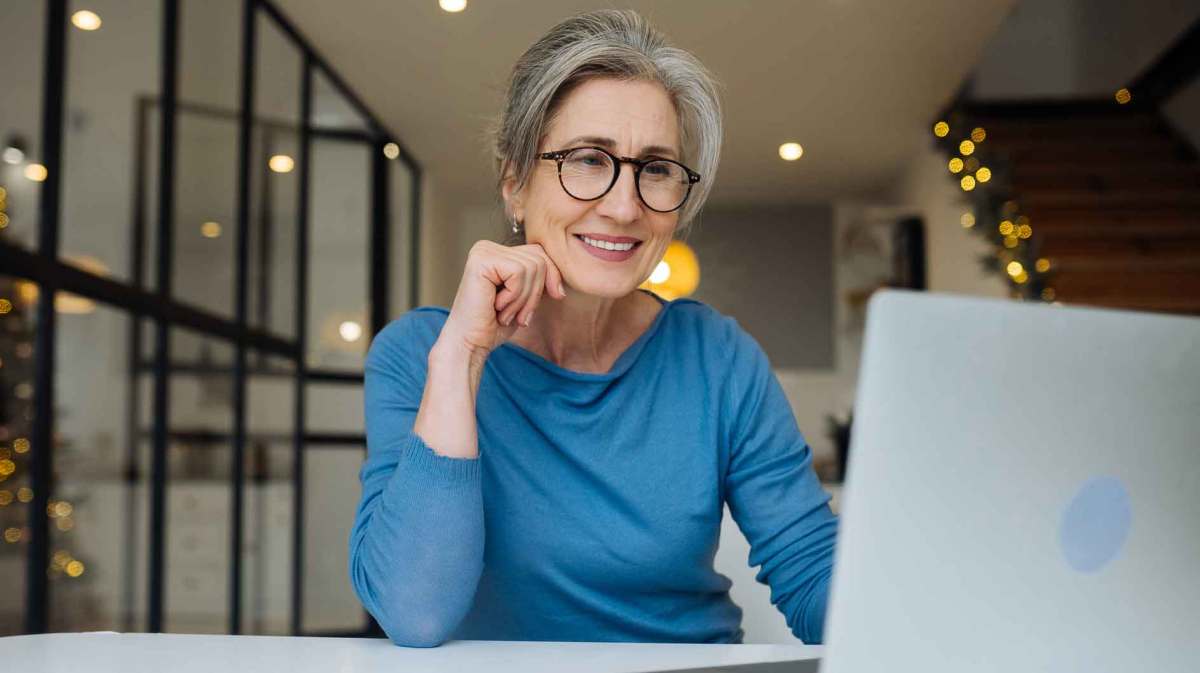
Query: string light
{"x":955,"y":165}
{"x":966,"y":147}
{"x":1015,"y":268}
{"x":1042,"y":265}
{"x":1025,"y":231}
{"x":1006,"y":227}
{"x":941,"y":129}
{"x":983,"y":174}
{"x":1123,"y":96}
{"x":968,"y":183}
{"x":1010,"y":242}
{"x":978,"y":134}
{"x":967,"y":220}
{"x":1048,"y":294}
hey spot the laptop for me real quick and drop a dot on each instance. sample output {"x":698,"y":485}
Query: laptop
{"x":1023,"y":491}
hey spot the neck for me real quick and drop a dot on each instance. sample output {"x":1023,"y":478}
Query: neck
{"x":581,"y":331}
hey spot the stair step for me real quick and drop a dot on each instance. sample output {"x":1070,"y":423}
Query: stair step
{"x":1104,"y":176}
{"x":1149,"y":199}
{"x":1059,"y":246}
{"x":1174,"y":304}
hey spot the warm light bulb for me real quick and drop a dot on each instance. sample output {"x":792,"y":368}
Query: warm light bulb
{"x":391,"y":150}
{"x":85,"y":20}
{"x":1015,"y":268}
{"x":36,"y":172}
{"x":955,"y":165}
{"x":1006,"y":227}
{"x":452,"y":5}
{"x":983,"y":174}
{"x":281,"y":163}
{"x":968,"y":183}
{"x":941,"y":129}
{"x":350,"y":331}
{"x":790,"y":151}
{"x":661,"y":273}
{"x":966,"y":147}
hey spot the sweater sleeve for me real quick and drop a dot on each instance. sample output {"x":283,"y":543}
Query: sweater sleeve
{"x":416,"y":548}
{"x":774,"y":495}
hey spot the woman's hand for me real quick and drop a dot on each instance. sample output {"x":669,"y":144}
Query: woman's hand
{"x":500,"y":289}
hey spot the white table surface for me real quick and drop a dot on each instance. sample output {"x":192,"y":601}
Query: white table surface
{"x":181,"y":653}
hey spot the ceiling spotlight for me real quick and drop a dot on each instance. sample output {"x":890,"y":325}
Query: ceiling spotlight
{"x":790,"y":151}
{"x":85,"y":20}
{"x":350,"y":331}
{"x":210,"y":229}
{"x":452,"y":6}
{"x":36,"y":172}
{"x":281,"y":163}
{"x":14,"y":150}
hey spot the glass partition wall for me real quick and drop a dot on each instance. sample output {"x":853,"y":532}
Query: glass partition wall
{"x":201,"y":228}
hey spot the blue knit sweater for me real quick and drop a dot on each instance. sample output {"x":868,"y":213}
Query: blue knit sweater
{"x":594,"y":508}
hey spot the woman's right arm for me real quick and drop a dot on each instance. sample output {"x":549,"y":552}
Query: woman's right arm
{"x":416,"y":549}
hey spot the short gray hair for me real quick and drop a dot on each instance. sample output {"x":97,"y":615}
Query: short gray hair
{"x":602,"y":44}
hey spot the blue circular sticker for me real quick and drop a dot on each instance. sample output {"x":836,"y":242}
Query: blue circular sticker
{"x":1096,"y":524}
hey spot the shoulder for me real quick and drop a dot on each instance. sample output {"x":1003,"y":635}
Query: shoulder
{"x":410,"y":335}
{"x":721,"y":336}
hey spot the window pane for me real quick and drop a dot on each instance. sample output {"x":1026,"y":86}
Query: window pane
{"x":330,"y":497}
{"x":105,"y":115}
{"x":338,"y":253}
{"x":98,"y":531}
{"x":267,"y":518}
{"x":199,"y":498}
{"x":18,"y":316}
{"x":334,"y":407}
{"x":401,"y":233}
{"x":206,"y":154}
{"x":274,"y":173}
{"x":331,"y":110}
{"x":22,"y":34}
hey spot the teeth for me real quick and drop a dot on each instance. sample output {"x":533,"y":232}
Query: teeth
{"x":606,"y":244}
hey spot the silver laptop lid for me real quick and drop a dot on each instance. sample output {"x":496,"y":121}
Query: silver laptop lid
{"x":1023,"y":492}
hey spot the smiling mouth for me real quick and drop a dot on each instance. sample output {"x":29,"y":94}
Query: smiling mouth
{"x":606,"y":245}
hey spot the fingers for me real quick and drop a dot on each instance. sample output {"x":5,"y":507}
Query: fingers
{"x":523,"y":274}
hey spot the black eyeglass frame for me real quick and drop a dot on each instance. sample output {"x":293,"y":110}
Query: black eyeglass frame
{"x":638,"y":164}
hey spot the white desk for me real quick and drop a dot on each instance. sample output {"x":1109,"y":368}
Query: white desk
{"x":177,"y":653}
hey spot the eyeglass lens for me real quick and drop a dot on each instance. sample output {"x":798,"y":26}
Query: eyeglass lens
{"x":588,"y":173}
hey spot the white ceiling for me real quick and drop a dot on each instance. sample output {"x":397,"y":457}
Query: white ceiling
{"x":856,"y":82}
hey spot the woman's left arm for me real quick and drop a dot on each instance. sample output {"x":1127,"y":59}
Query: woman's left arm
{"x":774,"y":495}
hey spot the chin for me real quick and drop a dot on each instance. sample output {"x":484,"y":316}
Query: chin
{"x":613,"y":290}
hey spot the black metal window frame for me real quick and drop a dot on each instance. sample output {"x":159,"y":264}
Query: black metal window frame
{"x":45,"y":268}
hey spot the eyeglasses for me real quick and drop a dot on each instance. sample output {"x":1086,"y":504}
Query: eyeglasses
{"x":588,"y":173}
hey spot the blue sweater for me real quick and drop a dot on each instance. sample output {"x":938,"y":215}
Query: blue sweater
{"x":593,"y":510}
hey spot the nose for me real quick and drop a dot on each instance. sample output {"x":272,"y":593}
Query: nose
{"x":622,"y":203}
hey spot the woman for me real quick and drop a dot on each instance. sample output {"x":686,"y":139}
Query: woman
{"x":549,"y":459}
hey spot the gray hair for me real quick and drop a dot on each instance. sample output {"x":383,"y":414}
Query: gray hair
{"x":602,"y":44}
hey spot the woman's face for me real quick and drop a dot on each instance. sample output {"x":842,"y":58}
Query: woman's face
{"x":629,"y":119}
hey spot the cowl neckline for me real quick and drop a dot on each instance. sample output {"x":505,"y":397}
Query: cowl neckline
{"x":622,"y":363}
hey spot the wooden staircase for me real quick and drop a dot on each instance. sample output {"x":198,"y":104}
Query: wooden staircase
{"x":1112,"y":195}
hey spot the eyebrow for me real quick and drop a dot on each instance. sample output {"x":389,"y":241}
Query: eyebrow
{"x":609,"y":143}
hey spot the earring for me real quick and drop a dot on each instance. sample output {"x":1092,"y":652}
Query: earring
{"x":516,"y":226}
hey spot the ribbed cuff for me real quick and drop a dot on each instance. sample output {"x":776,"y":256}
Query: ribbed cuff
{"x":417,"y":458}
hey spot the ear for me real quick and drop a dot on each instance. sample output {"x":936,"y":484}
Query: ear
{"x":513,"y":199}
